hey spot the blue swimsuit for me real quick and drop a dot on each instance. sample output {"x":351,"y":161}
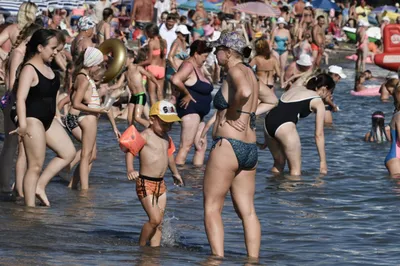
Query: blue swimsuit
{"x":394,"y":151}
{"x":281,"y":44}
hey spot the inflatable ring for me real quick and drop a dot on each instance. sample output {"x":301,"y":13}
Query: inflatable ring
{"x":118,"y":50}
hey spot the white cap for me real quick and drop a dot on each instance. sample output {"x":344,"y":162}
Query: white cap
{"x":392,"y":75}
{"x":363,"y":23}
{"x":304,"y":60}
{"x":114,"y":1}
{"x":182,"y":29}
{"x":386,"y":18}
{"x":308,"y":4}
{"x":337,"y":70}
{"x":281,"y":20}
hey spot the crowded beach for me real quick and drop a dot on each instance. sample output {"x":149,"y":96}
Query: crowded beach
{"x":213,"y":68}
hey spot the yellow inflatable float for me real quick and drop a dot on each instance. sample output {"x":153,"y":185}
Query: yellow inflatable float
{"x":118,"y":51}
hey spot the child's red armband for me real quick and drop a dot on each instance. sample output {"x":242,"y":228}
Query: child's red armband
{"x":131,"y":141}
{"x":171,"y":147}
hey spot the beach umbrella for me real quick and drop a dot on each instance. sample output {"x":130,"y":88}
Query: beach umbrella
{"x":91,"y":2}
{"x":381,"y":9}
{"x":259,"y":9}
{"x":325,"y":5}
{"x":191,"y":4}
{"x":71,"y":4}
{"x":9,"y":8}
{"x":41,"y":4}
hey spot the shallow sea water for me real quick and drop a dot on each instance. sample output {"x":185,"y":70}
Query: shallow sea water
{"x":348,"y":217}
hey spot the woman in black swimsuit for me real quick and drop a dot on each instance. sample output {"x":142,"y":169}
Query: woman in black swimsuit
{"x":35,"y":109}
{"x":280,"y":123}
{"x":194,"y":101}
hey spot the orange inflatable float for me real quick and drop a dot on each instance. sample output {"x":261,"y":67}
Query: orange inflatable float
{"x":132,"y":141}
{"x":390,"y":58}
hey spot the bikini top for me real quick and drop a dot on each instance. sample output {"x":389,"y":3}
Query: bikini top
{"x":94,"y":98}
{"x":157,"y":52}
{"x":182,"y":55}
{"x":200,"y":87}
{"x":221,"y":104}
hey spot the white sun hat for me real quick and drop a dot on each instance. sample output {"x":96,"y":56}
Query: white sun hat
{"x":308,"y":4}
{"x":304,"y":60}
{"x":392,"y":75}
{"x":386,"y":18}
{"x":337,"y":70}
{"x":281,"y":20}
{"x":182,"y":29}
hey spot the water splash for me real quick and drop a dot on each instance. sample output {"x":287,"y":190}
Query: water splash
{"x":170,"y":235}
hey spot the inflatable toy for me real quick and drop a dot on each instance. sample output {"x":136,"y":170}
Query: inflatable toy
{"x":118,"y":50}
{"x":374,"y":33}
{"x":131,"y":141}
{"x":390,"y":58}
{"x":354,"y":57}
{"x":371,"y":90}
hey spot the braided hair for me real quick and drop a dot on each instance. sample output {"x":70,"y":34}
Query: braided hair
{"x":24,"y":34}
{"x":26,"y":14}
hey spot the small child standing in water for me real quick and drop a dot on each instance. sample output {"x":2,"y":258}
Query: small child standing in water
{"x":156,"y":154}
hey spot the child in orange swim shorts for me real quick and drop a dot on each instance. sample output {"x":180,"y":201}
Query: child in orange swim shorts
{"x":156,"y":154}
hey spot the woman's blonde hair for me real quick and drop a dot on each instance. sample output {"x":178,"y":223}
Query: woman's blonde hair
{"x":26,"y":14}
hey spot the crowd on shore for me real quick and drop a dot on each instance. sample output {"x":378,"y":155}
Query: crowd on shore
{"x":54,"y":75}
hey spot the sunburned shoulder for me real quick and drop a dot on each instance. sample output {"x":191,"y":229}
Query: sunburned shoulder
{"x":237,"y":70}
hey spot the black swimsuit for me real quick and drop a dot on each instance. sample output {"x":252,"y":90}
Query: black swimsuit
{"x":286,"y":112}
{"x":41,"y":100}
{"x":201,"y":92}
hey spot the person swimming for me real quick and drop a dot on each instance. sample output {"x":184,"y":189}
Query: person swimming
{"x":378,"y":132}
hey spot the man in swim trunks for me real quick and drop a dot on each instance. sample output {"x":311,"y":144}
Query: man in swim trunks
{"x":134,"y":76}
{"x":142,"y":13}
{"x":318,"y":44}
{"x":156,"y":154}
